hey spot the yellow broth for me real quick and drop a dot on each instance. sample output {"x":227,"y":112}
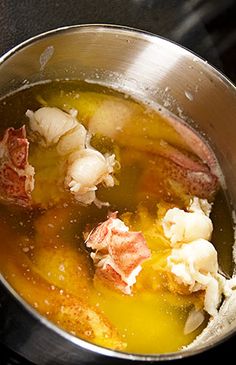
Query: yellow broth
{"x":42,"y":251}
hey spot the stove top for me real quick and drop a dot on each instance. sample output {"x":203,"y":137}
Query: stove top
{"x":206,"y":27}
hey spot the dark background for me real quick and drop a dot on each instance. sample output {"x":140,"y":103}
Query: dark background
{"x":204,"y":26}
{"x":207,"y":27}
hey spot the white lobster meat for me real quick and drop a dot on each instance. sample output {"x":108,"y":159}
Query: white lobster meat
{"x":195,"y":265}
{"x":180,"y":226}
{"x":86,"y":169}
{"x":50,"y":124}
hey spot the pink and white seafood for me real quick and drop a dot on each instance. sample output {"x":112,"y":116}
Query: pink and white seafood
{"x":177,"y":172}
{"x":16,"y":174}
{"x":199,"y":177}
{"x":117,"y":253}
{"x":195,"y":143}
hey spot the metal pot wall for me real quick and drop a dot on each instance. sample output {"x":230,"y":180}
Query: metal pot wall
{"x":152,"y":69}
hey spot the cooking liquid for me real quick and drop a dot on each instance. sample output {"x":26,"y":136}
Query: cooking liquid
{"x":42,"y":252}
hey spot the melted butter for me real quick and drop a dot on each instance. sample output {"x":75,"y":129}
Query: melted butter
{"x":42,"y":255}
{"x":148,"y":322}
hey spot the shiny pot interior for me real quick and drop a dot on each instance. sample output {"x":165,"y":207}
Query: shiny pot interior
{"x":154,"y":70}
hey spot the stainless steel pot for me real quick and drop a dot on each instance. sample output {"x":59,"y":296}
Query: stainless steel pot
{"x":153,"y":69}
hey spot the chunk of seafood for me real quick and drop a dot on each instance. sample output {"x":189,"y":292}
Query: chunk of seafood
{"x":86,"y":169}
{"x":194,"y":174}
{"x":110,"y":118}
{"x":195,"y":266}
{"x":181,"y":226}
{"x":118,"y":253}
{"x":195,"y":143}
{"x":50,"y":124}
{"x":175,"y":176}
{"x":16,"y":174}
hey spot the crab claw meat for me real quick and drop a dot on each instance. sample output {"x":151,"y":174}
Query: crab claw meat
{"x":16,"y":174}
{"x":118,"y":253}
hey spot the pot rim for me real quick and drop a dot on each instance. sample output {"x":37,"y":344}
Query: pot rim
{"x":102,"y":27}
